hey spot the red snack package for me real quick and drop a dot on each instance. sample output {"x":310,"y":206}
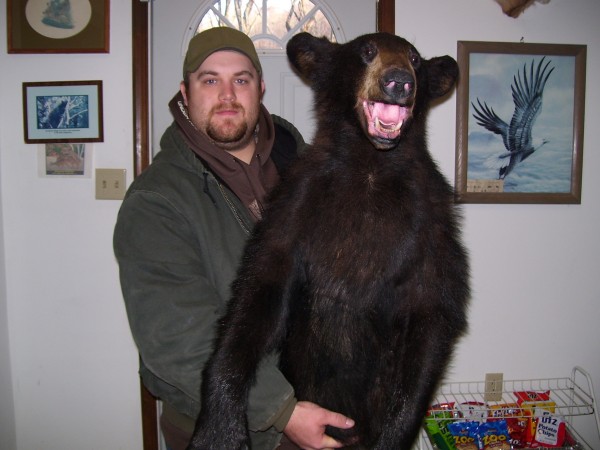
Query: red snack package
{"x":530,"y":402}
{"x":515,"y":422}
{"x":532,"y":397}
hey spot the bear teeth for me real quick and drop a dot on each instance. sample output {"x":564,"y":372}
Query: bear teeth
{"x":385,"y":127}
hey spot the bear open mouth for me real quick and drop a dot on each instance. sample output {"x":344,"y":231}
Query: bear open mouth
{"x":385,"y":120}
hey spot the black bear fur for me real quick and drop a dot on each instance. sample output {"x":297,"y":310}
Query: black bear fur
{"x":356,"y":274}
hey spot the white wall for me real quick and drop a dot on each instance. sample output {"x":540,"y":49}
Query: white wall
{"x":536,"y":285}
{"x":7,"y":417}
{"x":73,"y":365}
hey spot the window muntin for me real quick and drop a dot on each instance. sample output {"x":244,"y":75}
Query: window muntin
{"x":270,"y":23}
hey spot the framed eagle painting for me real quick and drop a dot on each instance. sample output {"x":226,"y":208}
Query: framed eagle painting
{"x":519,"y":128}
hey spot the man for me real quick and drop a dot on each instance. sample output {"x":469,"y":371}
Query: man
{"x":181,"y":231}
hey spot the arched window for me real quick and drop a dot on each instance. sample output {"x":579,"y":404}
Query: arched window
{"x":269,"y":23}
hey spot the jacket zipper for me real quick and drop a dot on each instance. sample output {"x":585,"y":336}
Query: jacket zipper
{"x":233,"y":209}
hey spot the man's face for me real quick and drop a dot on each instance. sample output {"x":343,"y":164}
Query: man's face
{"x":223,"y":99}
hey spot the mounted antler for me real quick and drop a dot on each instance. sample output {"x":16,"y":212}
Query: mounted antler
{"x":514,"y":8}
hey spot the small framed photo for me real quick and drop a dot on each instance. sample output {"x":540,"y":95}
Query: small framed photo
{"x":65,"y":160}
{"x":58,"y":26}
{"x":519,"y":126}
{"x":63,"y":111}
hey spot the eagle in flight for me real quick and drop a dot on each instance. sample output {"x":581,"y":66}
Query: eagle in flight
{"x":527,"y":91}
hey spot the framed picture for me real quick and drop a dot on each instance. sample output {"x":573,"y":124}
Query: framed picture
{"x":63,"y":111}
{"x":65,"y":160}
{"x":58,"y":26}
{"x":519,"y":129}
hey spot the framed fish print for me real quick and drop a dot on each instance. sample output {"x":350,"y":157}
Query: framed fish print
{"x":58,"y":26}
{"x":519,"y":128}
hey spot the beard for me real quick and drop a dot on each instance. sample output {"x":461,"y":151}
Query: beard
{"x":230,"y":134}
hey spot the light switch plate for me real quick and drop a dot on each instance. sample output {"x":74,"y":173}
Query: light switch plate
{"x":493,"y":387}
{"x":110,"y":184}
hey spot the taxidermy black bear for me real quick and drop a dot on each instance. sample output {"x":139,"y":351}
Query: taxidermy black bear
{"x":356,"y":274}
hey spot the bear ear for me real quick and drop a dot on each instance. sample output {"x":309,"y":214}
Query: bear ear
{"x":442,"y":73}
{"x":308,"y":54}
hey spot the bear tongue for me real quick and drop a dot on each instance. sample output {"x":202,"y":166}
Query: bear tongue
{"x":388,"y":114}
{"x":385,"y":120}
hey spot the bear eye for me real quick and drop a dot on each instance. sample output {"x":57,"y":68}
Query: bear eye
{"x":369,"y":52}
{"x":415,"y":58}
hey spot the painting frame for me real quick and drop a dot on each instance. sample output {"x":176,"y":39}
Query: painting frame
{"x":482,"y":66}
{"x":65,"y":160}
{"x":87,"y":30}
{"x":47,"y":103}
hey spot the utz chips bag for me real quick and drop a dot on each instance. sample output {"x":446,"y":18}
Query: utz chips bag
{"x":494,"y":435}
{"x":436,"y":425}
{"x":550,"y":430}
{"x":530,"y":402}
{"x":516,"y":424}
{"x":465,"y":435}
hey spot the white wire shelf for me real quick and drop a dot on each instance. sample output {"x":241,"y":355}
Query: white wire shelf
{"x":571,"y":396}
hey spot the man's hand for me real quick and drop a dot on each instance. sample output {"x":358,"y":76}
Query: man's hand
{"x":306,"y":427}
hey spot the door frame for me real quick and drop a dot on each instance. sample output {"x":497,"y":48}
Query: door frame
{"x":141,"y":49}
{"x":142,"y":151}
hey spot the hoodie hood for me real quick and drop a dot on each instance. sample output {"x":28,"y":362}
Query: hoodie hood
{"x":250,"y":182}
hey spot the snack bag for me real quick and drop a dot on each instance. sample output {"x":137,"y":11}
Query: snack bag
{"x":436,"y":425}
{"x":473,"y":411}
{"x":550,"y":430}
{"x":465,"y":435}
{"x":515,"y":422}
{"x":494,"y":435}
{"x":530,"y":402}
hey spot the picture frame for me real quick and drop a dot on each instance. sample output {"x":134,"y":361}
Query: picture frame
{"x":42,"y":26}
{"x":519,"y":122}
{"x":63,"y":111}
{"x":65,"y":160}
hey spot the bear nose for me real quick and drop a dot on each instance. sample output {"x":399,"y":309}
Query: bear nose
{"x":398,"y":84}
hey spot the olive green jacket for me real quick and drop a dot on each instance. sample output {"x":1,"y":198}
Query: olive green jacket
{"x":178,"y":239}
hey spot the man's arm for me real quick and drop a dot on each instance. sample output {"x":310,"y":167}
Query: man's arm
{"x":173,"y":307}
{"x":170,"y":304}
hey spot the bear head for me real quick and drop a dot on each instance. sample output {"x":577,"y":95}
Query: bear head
{"x":378,"y":80}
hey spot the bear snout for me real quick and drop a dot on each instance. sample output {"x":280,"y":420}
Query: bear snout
{"x":398,"y":84}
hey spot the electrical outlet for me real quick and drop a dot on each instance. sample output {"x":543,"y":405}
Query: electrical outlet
{"x":110,"y":184}
{"x":493,"y":387}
